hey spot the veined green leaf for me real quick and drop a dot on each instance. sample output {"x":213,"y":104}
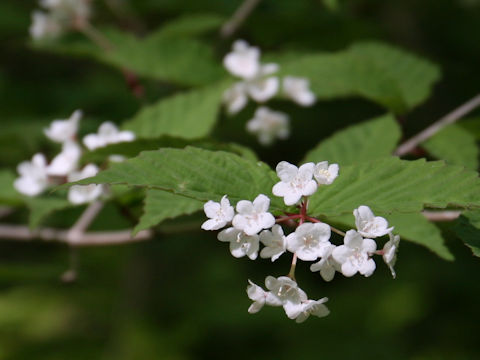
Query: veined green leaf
{"x":392,"y":185}
{"x":455,"y":145}
{"x":161,"y":205}
{"x":378,"y":72}
{"x":192,"y":172}
{"x":189,"y":115}
{"x":467,"y":228}
{"x":363,"y":142}
{"x":416,"y":228}
{"x":179,"y":60}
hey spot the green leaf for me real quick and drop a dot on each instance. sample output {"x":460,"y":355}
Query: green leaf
{"x":411,"y":227}
{"x":455,"y":145}
{"x":363,"y":142}
{"x":191,"y":25}
{"x":392,"y":185}
{"x":8,"y":194}
{"x":189,"y":115}
{"x":161,"y":205}
{"x":43,"y":206}
{"x":332,"y":5}
{"x":467,"y":228}
{"x":192,"y":172}
{"x":381,"y":73}
{"x":416,"y":228}
{"x":179,"y":60}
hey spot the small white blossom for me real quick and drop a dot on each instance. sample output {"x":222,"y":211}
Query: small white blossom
{"x":33,"y":178}
{"x":275,"y":243}
{"x":309,"y":241}
{"x":67,"y":161}
{"x":288,"y":293}
{"x":295,"y":182}
{"x":324,"y":173}
{"x":354,"y":255}
{"x":370,"y":225}
{"x":82,"y":194}
{"x":268,"y":125}
{"x":220,"y":214}
{"x":64,"y":130}
{"x":260,"y":297}
{"x":390,"y":252}
{"x":108,"y":133}
{"x":235,"y":98}
{"x":241,"y":244}
{"x":44,"y":26}
{"x":68,"y":10}
{"x":327,"y":265}
{"x":116,"y":158}
{"x":253,"y":217}
{"x":243,"y":61}
{"x":298,"y":89}
{"x":312,"y":307}
{"x":262,"y":87}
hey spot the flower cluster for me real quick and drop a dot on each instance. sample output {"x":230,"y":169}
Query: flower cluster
{"x":259,"y":83}
{"x":58,"y":16}
{"x":250,"y":224}
{"x":37,"y":175}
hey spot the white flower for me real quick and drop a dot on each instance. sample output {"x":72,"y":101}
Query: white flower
{"x":354,"y":256}
{"x":312,"y":307}
{"x":298,"y":89}
{"x":268,"y":125}
{"x":235,"y":98}
{"x":33,"y":176}
{"x":324,"y":173}
{"x":260,"y":297}
{"x":287,"y":292}
{"x":67,"y":161}
{"x":370,"y":225}
{"x":295,"y":182}
{"x":220,"y":214}
{"x":253,"y":217}
{"x":241,"y":244}
{"x":82,"y":194}
{"x":309,"y":241}
{"x":68,"y":9}
{"x":64,"y":130}
{"x":108,"y":133}
{"x":243,"y":61}
{"x":275,"y":243}
{"x":327,"y":265}
{"x":390,"y":252}
{"x":44,"y":26}
{"x":261,"y":87}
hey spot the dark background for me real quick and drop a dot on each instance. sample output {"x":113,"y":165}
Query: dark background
{"x":182,"y":295}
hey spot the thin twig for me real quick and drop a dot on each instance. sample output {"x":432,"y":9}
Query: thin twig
{"x":78,"y":229}
{"x":95,"y":36}
{"x":94,"y":238}
{"x":448,"y":119}
{"x":441,"y":215}
{"x":237,"y":19}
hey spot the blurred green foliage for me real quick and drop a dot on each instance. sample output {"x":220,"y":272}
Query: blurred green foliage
{"x":182,"y":295}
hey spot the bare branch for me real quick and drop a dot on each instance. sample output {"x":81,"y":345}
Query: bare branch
{"x":448,"y":119}
{"x":237,"y":19}
{"x":85,"y":220}
{"x":96,"y":238}
{"x":441,"y":215}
